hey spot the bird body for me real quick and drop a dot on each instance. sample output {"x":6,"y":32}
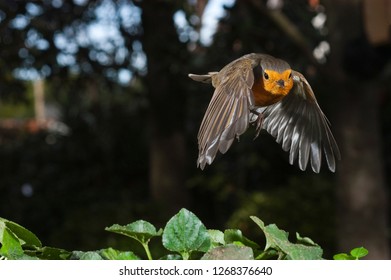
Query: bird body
{"x":282,"y":100}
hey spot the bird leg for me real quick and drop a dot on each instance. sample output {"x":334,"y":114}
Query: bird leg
{"x":258,"y":122}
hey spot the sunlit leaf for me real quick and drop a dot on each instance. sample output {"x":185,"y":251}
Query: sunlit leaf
{"x":216,"y":237}
{"x":185,"y":233}
{"x":140,"y":230}
{"x":112,"y":254}
{"x":359,"y":252}
{"x":278,"y":239}
{"x":26,"y":237}
{"x":343,"y":256}
{"x":10,"y":244}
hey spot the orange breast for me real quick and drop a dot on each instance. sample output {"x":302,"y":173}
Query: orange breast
{"x":263,"y":97}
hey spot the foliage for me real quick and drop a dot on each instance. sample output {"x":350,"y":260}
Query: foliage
{"x":355,"y":254}
{"x":183,"y":237}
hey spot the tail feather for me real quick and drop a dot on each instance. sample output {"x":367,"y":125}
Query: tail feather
{"x":207,"y":78}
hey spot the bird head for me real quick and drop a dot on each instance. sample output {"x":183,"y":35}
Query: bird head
{"x":277,"y":76}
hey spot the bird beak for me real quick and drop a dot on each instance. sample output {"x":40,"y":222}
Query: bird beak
{"x":281,"y":83}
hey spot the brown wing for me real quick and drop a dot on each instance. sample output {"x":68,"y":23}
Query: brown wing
{"x":227,"y":115}
{"x":298,"y":123}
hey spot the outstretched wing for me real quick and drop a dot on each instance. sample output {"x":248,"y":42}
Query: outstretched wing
{"x":298,"y":123}
{"x":227,"y":115}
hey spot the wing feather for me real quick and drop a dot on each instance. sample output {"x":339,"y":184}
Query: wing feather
{"x":228,"y":113}
{"x":299,"y":125}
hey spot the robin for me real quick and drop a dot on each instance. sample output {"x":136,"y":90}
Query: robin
{"x":264,"y":90}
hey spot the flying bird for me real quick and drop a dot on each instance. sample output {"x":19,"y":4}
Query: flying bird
{"x":265,"y":91}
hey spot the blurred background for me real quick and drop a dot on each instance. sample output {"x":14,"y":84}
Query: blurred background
{"x":99,"y":121}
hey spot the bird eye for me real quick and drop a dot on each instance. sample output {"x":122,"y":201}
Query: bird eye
{"x":290,"y":75}
{"x":266,"y":75}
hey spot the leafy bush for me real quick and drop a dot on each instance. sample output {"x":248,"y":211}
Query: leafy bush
{"x":184,"y":237}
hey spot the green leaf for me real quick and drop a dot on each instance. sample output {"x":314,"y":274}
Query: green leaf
{"x":216,"y":237}
{"x":258,"y":221}
{"x":302,"y":252}
{"x":278,"y":239}
{"x":355,"y":254}
{"x":13,"y":237}
{"x":140,"y":230}
{"x":305,"y":240}
{"x":229,"y":252}
{"x":90,"y":255}
{"x":49,"y":253}
{"x":26,"y":237}
{"x":104,"y":254}
{"x":359,"y":252}
{"x":267,"y":255}
{"x":274,"y":236}
{"x":235,"y":236}
{"x":112,"y":254}
{"x":23,"y":257}
{"x":343,"y":256}
{"x":11,"y":247}
{"x":185,"y":233}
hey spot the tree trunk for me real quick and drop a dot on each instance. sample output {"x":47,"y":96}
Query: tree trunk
{"x":167,"y":103}
{"x":362,"y":199}
{"x":39,"y":100}
{"x":361,"y":193}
